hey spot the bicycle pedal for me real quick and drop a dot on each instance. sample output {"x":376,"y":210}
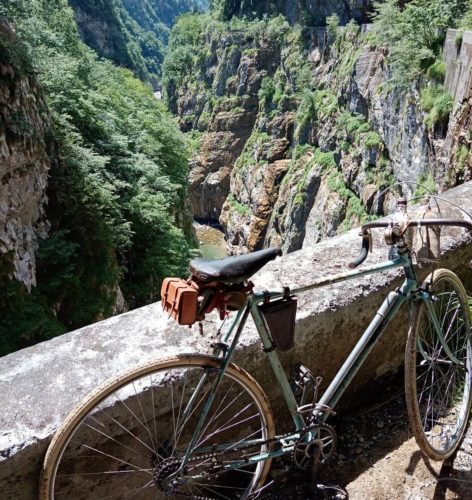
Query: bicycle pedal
{"x":301,"y":372}
{"x":332,"y":491}
{"x":304,"y":385}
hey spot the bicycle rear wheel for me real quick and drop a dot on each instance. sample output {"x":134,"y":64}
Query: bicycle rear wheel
{"x":127,"y":438}
{"x":438,"y":371}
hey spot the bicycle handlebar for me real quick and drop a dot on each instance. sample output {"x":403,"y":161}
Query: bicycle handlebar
{"x":366,"y":243}
{"x":367,"y":239}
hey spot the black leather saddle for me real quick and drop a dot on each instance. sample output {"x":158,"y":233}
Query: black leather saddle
{"x":234,"y":269}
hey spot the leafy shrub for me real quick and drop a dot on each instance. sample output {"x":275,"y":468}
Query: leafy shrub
{"x":355,"y":212}
{"x":458,"y":39}
{"x":332,"y":25}
{"x":267,"y":90}
{"x":237,"y":206}
{"x":356,"y":127}
{"x":325,"y":159}
{"x":326,"y":103}
{"x":437,"y":71}
{"x":462,"y":155}
{"x":466,"y":20}
{"x":372,"y":139}
{"x":437,"y":103}
{"x":306,"y":112}
{"x":414,"y":35}
{"x":427,"y":185}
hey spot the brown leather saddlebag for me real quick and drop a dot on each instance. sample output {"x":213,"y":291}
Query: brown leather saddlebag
{"x":180,"y":300}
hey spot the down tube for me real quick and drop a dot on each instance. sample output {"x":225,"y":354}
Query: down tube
{"x":386,"y":312}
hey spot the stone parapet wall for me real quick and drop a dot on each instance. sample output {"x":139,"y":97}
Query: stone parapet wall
{"x":40,"y":385}
{"x":458,"y":59}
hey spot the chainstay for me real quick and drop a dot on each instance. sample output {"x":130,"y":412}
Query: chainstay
{"x":268,"y":442}
{"x":218,"y":468}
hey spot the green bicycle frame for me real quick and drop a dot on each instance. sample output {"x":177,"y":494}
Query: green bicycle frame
{"x":338,"y":385}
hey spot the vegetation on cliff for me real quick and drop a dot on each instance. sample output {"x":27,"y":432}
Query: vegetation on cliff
{"x":117,"y":185}
{"x":131,"y":33}
{"x":415,"y":34}
{"x":329,"y":116}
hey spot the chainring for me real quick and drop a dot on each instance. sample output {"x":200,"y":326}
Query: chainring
{"x":324,"y":437}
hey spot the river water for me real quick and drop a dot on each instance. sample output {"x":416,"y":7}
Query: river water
{"x":211,"y":241}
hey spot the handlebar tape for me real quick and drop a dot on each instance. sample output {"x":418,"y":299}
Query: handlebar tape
{"x":423,"y":222}
{"x":364,"y":251}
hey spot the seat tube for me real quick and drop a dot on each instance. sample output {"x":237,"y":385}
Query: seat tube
{"x":269,"y":349}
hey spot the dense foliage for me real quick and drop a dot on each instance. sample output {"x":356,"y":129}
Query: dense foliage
{"x":415,"y":34}
{"x":117,"y":187}
{"x":132,"y":33}
{"x":188,"y":51}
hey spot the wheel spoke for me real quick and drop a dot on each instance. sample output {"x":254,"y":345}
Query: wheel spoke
{"x":439,"y":368}
{"x":135,"y":435}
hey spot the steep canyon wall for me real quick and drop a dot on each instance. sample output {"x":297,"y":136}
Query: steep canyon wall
{"x":25,"y":145}
{"x":300,"y":131}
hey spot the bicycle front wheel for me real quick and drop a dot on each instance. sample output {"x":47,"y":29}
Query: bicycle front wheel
{"x":128,"y":439}
{"x":438,"y":366}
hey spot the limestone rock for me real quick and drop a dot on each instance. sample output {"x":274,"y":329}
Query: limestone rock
{"x":341,"y":142}
{"x":24,"y":163}
{"x":257,"y":187}
{"x":395,"y":116}
{"x":297,"y":11}
{"x":235,"y":77}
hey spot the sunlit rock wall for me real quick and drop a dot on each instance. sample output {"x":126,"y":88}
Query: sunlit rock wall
{"x":25,"y":142}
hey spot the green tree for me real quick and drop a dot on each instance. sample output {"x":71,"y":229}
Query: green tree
{"x":117,"y":185}
{"x":332,"y":25}
{"x":414,"y":35}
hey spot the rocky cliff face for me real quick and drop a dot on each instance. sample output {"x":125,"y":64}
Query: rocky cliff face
{"x":459,"y":143}
{"x":312,"y":12}
{"x":131,"y":33}
{"x":25,"y":140}
{"x":228,"y":119}
{"x":299,"y":134}
{"x":106,"y":28}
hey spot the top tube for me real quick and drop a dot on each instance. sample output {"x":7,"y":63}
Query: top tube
{"x":402,"y":261}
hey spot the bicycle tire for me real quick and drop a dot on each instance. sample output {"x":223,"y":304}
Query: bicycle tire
{"x":438,"y":389}
{"x":127,"y":415}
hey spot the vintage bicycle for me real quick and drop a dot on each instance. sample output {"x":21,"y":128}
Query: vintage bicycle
{"x":200,"y":427}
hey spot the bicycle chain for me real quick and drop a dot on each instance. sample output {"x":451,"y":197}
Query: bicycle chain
{"x":213,"y":456}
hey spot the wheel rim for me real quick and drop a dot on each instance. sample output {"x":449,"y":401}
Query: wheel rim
{"x":443,"y":386}
{"x":131,"y":442}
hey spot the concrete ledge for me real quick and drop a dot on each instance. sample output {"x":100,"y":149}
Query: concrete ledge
{"x":41,"y":384}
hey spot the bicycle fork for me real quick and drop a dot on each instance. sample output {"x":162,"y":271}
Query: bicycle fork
{"x":429,"y":300}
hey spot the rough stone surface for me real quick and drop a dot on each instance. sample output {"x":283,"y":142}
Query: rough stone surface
{"x":395,"y":117}
{"x":297,"y":10}
{"x":234,"y":78}
{"x":458,"y":59}
{"x":24,"y":163}
{"x":458,"y":144}
{"x":456,"y":157}
{"x":256,"y":187}
{"x":40,"y":385}
{"x":305,"y":188}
